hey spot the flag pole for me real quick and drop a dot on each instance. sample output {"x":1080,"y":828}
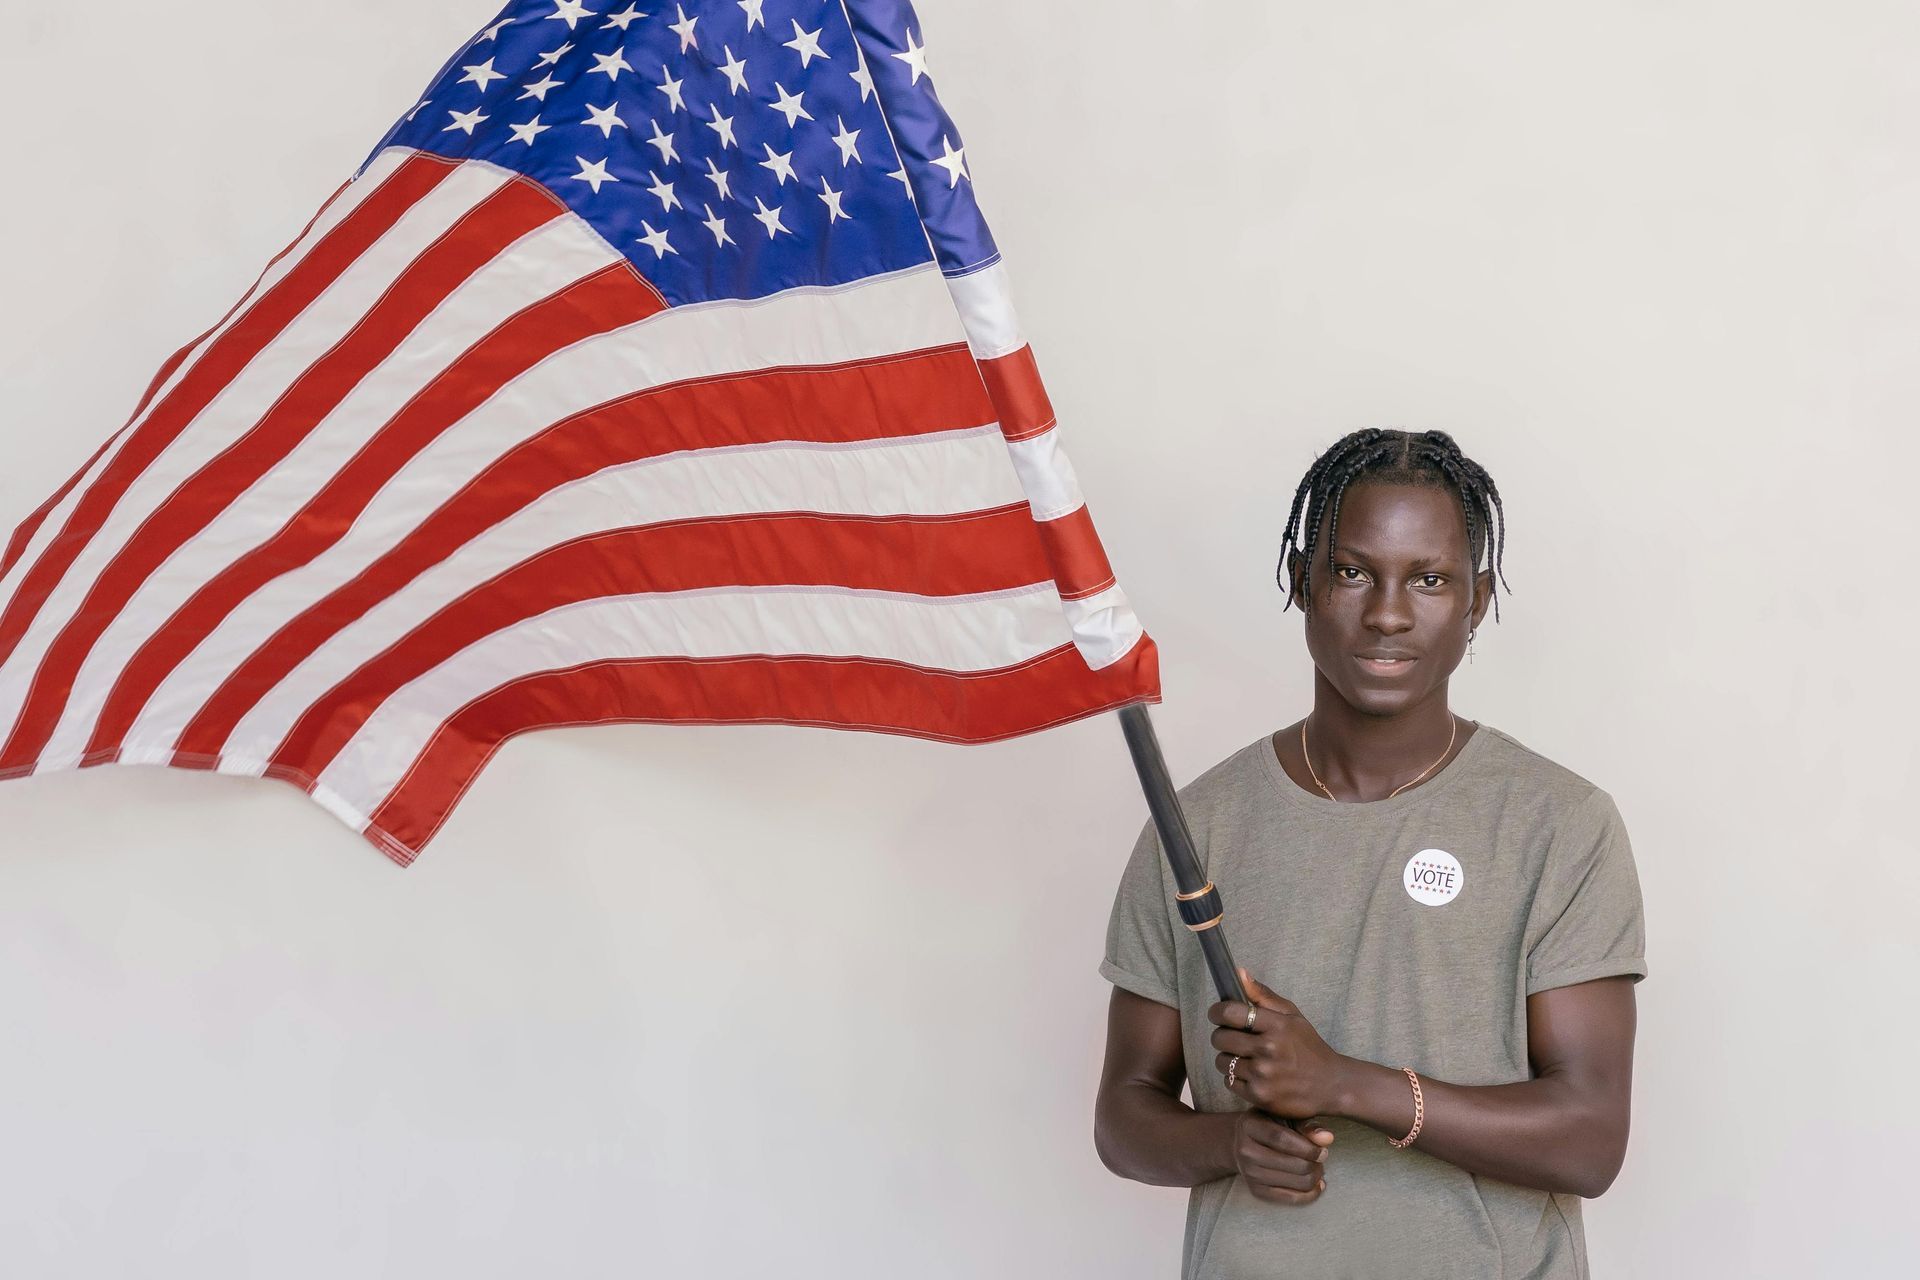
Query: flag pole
{"x":1200,"y":905}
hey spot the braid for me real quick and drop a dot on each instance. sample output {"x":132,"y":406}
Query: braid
{"x":1337,"y":483}
{"x":1400,"y":457}
{"x":1449,"y":464}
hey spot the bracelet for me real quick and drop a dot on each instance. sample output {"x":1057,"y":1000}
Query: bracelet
{"x":1419,"y":1112}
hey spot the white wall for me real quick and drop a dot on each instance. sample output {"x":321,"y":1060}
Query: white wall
{"x":732,"y":1001}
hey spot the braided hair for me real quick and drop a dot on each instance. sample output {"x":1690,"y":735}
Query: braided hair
{"x":1395,"y":457}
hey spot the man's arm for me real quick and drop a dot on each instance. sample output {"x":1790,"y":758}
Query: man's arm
{"x":1144,"y":1132}
{"x":1563,"y":1130}
{"x":1141,"y":1128}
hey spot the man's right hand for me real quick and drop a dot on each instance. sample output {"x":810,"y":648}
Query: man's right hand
{"x":1282,"y":1165}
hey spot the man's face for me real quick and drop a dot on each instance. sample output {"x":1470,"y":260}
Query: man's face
{"x":1390,"y":622}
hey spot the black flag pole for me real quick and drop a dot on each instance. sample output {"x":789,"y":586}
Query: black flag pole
{"x":1200,"y":905}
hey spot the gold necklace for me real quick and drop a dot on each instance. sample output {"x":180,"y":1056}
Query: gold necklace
{"x":1452,"y":729}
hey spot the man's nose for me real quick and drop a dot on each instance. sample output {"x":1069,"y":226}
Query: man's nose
{"x":1387,"y":612}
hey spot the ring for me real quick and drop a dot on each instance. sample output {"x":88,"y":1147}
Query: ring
{"x":1251,"y":1010}
{"x":1233,"y":1065}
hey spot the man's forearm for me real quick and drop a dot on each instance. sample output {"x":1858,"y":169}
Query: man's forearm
{"x":1546,"y":1132}
{"x":1143,"y":1134}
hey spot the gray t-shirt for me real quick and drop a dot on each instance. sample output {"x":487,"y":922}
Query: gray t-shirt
{"x":1410,"y":931}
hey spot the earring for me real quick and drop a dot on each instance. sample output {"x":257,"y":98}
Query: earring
{"x":1470,"y":636}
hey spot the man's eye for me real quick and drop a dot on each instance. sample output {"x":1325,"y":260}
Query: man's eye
{"x":1431,"y":579}
{"x":1348,"y":573}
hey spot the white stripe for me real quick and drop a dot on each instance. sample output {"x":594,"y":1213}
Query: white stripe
{"x":241,"y":404}
{"x":968,"y":633}
{"x":954,"y":471}
{"x":1046,"y":475}
{"x":1104,"y":627}
{"x":904,"y":312}
{"x":543,"y":262}
{"x":985,"y":303}
{"x":345,"y":202}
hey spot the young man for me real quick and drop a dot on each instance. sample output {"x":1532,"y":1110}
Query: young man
{"x":1440,"y":929}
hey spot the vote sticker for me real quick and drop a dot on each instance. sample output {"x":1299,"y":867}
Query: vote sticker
{"x":1433,"y":877}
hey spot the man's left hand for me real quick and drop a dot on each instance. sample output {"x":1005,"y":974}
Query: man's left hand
{"x":1285,"y":1068}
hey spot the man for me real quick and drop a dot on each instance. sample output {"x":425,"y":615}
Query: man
{"x":1441,"y":931}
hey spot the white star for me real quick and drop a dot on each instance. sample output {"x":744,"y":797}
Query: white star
{"x":862,"y":76}
{"x":540,"y":89}
{"x":595,"y":173}
{"x":611,"y":63}
{"x":464,"y":121}
{"x":656,"y":241}
{"x":663,"y":142}
{"x":770,"y":218}
{"x":552,"y":56}
{"x":481,"y":73}
{"x":754,"y":15}
{"x":848,"y":140}
{"x":529,"y":131}
{"x":663,"y":192}
{"x":832,"y":199}
{"x":790,"y":106}
{"x":915,"y":57}
{"x":735,"y":71}
{"x":954,"y":162}
{"x":719,"y":178}
{"x":626,"y":17}
{"x":722,"y":125}
{"x":807,"y":45}
{"x":493,"y":32}
{"x":782,"y":165}
{"x":571,"y":11}
{"x":418,"y":107}
{"x":671,"y":88}
{"x":905,"y":181}
{"x":604,"y":119}
{"x":684,"y":29}
{"x":718,"y":226}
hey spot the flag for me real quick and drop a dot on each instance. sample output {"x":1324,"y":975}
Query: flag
{"x":657,"y":365}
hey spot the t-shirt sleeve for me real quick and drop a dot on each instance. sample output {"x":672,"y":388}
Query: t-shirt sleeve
{"x":1140,"y":933}
{"x":1587,"y":920}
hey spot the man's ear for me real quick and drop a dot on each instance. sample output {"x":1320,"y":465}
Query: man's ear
{"x":1482,"y":596}
{"x":1297,"y":576}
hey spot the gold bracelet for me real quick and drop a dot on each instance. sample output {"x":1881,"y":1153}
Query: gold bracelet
{"x":1419,"y":1112}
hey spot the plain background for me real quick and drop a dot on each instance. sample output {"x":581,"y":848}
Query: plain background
{"x":735,"y":1001}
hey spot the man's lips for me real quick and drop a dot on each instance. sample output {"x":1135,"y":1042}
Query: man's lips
{"x":1385,"y":664}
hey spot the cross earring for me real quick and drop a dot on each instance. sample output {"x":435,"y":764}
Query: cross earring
{"x":1470,"y":636}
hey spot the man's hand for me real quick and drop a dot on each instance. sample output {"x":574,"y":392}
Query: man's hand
{"x":1285,"y":1067}
{"x":1282,"y":1165}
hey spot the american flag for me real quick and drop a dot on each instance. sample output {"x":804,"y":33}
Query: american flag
{"x":657,"y":365}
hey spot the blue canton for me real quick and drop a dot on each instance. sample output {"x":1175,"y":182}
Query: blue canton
{"x":729,"y":148}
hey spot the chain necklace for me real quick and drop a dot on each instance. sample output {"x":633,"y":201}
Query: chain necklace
{"x":1452,"y":729}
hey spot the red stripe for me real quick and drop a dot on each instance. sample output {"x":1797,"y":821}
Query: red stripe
{"x":1080,"y":566}
{"x":831,"y":693}
{"x":1078,"y":561}
{"x":24,"y":534}
{"x":502,"y":218}
{"x":1019,"y":397}
{"x":896,"y":396}
{"x":928,"y":555}
{"x":609,"y":299}
{"x":228,"y":355}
